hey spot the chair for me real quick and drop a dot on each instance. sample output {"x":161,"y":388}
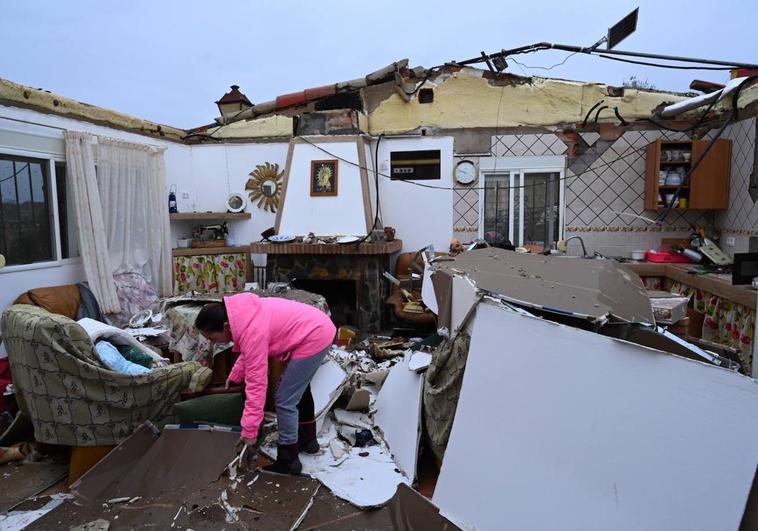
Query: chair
{"x":71,"y":398}
{"x":407,"y":264}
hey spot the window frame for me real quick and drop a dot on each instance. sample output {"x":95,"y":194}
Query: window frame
{"x":515,"y":168}
{"x":57,"y":261}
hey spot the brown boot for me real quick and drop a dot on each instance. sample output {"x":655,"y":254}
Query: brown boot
{"x":287,"y":462}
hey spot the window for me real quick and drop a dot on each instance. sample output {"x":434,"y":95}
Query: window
{"x":27,"y":226}
{"x":523,"y":206}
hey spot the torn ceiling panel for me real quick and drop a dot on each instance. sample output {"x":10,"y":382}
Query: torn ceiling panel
{"x":398,"y":414}
{"x":593,"y":289}
{"x":594,"y":433}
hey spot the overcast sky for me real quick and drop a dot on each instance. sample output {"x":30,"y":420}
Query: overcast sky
{"x":169,"y":61}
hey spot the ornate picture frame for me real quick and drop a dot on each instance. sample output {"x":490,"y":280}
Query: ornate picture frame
{"x":324,"y":177}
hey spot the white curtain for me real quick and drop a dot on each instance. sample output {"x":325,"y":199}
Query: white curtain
{"x":132,"y":183}
{"x":93,"y":245}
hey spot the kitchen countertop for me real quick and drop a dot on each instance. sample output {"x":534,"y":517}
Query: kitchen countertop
{"x":711,"y":283}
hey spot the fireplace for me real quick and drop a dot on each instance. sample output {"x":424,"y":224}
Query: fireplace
{"x":340,"y":295}
{"x":350,"y":277}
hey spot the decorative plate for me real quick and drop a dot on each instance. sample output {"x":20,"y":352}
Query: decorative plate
{"x":281,"y":238}
{"x":348,"y":239}
{"x":236,"y":202}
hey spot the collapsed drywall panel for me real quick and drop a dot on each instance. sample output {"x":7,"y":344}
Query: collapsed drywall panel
{"x":464,"y":298}
{"x":326,"y":386}
{"x":398,"y":414}
{"x":561,"y":428}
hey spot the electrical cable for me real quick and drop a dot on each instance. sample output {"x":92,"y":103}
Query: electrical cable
{"x":659,"y":65}
{"x":593,"y":168}
{"x":546,"y":68}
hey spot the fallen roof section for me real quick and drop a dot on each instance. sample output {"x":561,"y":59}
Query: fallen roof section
{"x":594,"y":433}
{"x":587,"y":288}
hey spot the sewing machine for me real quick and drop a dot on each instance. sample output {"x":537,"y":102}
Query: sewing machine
{"x":210,"y":235}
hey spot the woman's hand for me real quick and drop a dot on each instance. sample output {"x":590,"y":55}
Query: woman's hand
{"x":227,"y":384}
{"x":247,"y":455}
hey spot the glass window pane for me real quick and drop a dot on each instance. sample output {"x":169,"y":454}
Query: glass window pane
{"x":541,"y":205}
{"x":496,"y":206}
{"x":25,"y":223}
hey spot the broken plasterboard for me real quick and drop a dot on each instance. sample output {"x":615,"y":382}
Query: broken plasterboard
{"x":419,"y":361}
{"x":398,"y":414}
{"x":326,"y":387}
{"x":427,"y":288}
{"x":606,"y":434}
{"x":465,"y":297}
{"x":366,"y":477}
{"x":582,"y":288}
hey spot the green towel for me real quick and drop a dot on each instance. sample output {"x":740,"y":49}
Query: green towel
{"x":135,"y":355}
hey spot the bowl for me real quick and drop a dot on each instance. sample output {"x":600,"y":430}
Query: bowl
{"x":637,"y":255}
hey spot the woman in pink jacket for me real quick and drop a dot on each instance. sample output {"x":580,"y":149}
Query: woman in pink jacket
{"x":286,"y":330}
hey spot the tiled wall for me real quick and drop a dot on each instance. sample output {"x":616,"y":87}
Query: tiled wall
{"x":604,"y":192}
{"x":740,"y":221}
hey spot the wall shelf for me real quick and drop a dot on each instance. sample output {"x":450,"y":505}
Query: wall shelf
{"x":209,"y":216}
{"x":200,"y":251}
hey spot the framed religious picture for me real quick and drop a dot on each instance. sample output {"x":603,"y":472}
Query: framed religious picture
{"x":323,"y":177}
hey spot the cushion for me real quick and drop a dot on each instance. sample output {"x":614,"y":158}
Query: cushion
{"x":62,"y":300}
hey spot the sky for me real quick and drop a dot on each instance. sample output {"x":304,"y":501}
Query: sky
{"x":169,"y":61}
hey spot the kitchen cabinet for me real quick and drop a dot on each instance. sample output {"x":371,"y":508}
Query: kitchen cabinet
{"x":666,"y":164}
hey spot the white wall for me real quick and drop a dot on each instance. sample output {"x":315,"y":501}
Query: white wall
{"x":420,"y":215}
{"x":210,"y":173}
{"x":325,"y":215}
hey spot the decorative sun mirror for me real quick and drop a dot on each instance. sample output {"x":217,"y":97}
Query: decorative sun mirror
{"x":265,"y":186}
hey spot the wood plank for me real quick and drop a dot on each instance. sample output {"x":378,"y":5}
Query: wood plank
{"x":709,"y":183}
{"x":285,"y":182}
{"x":710,"y":283}
{"x":239,"y":249}
{"x":367,"y":208}
{"x":208,"y":216}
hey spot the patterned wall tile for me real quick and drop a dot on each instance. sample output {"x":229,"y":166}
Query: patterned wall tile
{"x":742,"y":214}
{"x":605,"y":187}
{"x":527,"y":145}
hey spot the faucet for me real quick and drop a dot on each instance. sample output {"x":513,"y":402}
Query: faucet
{"x":562,"y":245}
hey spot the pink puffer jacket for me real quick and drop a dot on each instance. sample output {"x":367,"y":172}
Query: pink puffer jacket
{"x":263,"y":327}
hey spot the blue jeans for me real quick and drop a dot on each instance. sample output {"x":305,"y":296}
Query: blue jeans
{"x":296,"y":378}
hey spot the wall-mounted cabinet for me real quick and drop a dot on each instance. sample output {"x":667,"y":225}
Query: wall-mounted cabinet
{"x":667,"y":164}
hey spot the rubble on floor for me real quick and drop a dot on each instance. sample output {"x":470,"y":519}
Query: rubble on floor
{"x":181,"y":480}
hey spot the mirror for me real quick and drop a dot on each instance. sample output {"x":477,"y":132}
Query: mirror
{"x":269,"y":188}
{"x":265,"y":186}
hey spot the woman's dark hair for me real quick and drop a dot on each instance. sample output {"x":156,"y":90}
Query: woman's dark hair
{"x":212,"y":317}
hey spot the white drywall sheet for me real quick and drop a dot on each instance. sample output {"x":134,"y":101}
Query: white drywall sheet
{"x":464,"y":297}
{"x":398,"y":414}
{"x":559,"y":428}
